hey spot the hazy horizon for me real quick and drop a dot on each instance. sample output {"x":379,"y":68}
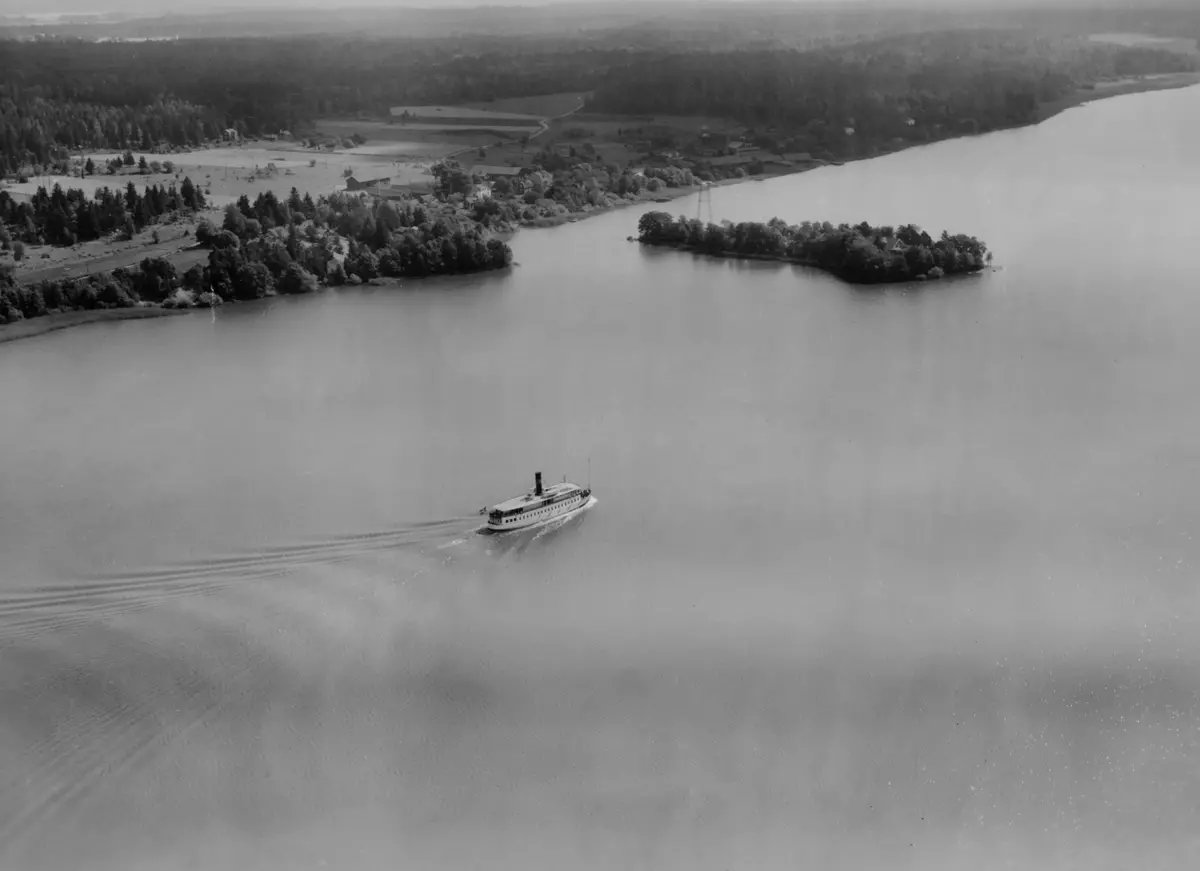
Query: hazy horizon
{"x":47,"y":8}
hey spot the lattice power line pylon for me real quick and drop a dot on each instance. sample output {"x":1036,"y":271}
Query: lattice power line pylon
{"x":704,"y":198}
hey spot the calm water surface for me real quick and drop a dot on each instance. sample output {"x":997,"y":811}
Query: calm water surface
{"x":875,"y":579}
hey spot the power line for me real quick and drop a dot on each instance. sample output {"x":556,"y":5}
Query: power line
{"x":704,"y":197}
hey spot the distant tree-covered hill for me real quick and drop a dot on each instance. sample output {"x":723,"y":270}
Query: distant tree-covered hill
{"x":910,"y":86}
{"x":58,"y":95}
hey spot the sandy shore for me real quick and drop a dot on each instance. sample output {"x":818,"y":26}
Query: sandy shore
{"x":48,"y":323}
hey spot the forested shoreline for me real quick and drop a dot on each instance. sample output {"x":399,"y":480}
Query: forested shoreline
{"x":273,"y":247}
{"x":69,"y":95}
{"x":842,"y":102}
{"x":813,"y":92}
{"x":859,"y":254}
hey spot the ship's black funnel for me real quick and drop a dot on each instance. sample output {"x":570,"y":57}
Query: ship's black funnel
{"x":537,"y":483}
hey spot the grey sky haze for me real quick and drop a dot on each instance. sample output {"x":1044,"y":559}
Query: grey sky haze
{"x":75,"y":7}
{"x":52,"y":7}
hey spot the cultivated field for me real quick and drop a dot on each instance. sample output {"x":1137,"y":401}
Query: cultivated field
{"x":224,"y":174}
{"x":89,"y":185}
{"x":543,"y":106}
{"x":464,"y":113}
{"x":425,"y":140}
{"x":403,"y":152}
{"x":461,"y":129}
{"x":49,"y":263}
{"x":230,"y":172}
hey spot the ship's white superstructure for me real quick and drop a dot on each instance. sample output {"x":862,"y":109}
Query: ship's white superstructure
{"x":537,"y":506}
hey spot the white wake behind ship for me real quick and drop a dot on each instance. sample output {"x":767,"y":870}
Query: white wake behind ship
{"x":537,"y":506}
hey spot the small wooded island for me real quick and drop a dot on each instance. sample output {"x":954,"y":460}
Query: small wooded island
{"x":860,"y":254}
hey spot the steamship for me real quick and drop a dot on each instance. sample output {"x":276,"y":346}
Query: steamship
{"x":537,"y":506}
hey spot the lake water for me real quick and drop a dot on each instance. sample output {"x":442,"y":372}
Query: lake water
{"x":876,"y":579}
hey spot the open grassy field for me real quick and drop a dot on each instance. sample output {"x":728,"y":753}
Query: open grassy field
{"x":460,"y":129}
{"x":90,"y":184}
{"x":457,"y":114}
{"x":44,"y":262}
{"x":501,"y":141}
{"x":543,"y":106}
{"x":402,"y":152}
{"x":680,"y":123}
{"x":427,"y":140}
{"x":610,"y":136}
{"x":516,"y":154}
{"x":226,"y":173}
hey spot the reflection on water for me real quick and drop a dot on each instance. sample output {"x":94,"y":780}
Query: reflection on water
{"x":888,"y":579}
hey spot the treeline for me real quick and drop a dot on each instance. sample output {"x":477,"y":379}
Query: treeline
{"x":555,"y":187}
{"x":123,"y":163}
{"x":861,"y":254}
{"x":552,"y":187}
{"x":64,"y":95}
{"x":66,"y":217}
{"x":154,"y":281}
{"x":44,"y":116}
{"x":844,"y":100}
{"x":272,"y":246}
{"x":392,"y":239}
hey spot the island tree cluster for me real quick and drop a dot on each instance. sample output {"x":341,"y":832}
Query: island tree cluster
{"x":859,"y":253}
